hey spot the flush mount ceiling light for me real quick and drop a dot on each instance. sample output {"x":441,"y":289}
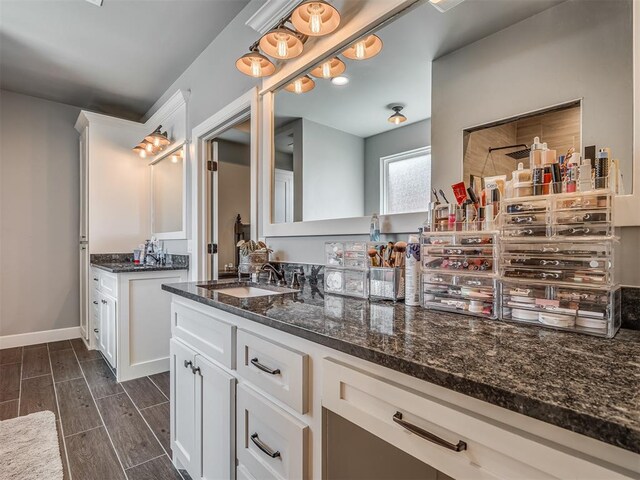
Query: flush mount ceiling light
{"x":282,"y":43}
{"x":397,"y":118}
{"x":157,"y":138}
{"x":444,"y":5}
{"x":329,"y":69}
{"x":301,"y":85}
{"x":315,"y":18}
{"x":255,"y":64}
{"x":364,"y":48}
{"x":340,"y":81}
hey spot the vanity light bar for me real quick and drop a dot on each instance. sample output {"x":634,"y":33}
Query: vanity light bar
{"x":153,"y":143}
{"x":312,"y":18}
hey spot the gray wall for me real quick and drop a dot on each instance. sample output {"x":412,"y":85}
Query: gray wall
{"x":332,"y":166}
{"x":408,"y":137}
{"x":578,"y":49}
{"x":39,"y":215}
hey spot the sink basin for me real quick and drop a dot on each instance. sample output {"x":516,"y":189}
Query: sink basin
{"x":249,"y":291}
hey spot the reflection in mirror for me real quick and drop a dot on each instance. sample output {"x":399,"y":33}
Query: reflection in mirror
{"x":229,"y":212}
{"x":454,"y":74}
{"x":167,"y":187}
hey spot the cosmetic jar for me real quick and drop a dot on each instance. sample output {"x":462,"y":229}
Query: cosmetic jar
{"x":556,"y":320}
{"x":520,"y":299}
{"x":476,"y":306}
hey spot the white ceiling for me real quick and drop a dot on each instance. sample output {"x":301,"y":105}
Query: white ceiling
{"x":116,"y":59}
{"x":401,"y":73}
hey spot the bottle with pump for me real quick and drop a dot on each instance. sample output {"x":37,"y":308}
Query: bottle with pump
{"x":374,"y":228}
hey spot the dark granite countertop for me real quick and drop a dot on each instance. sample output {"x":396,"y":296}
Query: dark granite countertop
{"x":123,"y":263}
{"x":585,"y":384}
{"x":129,"y":267}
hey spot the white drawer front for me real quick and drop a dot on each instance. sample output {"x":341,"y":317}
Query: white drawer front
{"x":243,"y":474}
{"x":276,"y":369}
{"x":206,"y":333}
{"x":271,"y":443}
{"x":492,"y":450}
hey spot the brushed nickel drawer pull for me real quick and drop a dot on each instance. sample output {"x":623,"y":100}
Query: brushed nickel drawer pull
{"x":264,"y":368}
{"x":258,"y":443}
{"x":459,"y":447}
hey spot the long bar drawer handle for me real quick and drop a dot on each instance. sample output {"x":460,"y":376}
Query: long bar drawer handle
{"x":258,"y":443}
{"x":459,"y":447}
{"x":257,"y":364}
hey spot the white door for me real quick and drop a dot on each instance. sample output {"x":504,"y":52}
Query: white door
{"x":103,"y":334}
{"x":183,"y":407}
{"x":215,"y":415}
{"x":283,"y":196}
{"x":84,"y":291}
{"x":110,"y":328}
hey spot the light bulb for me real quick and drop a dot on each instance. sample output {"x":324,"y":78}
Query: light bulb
{"x":156,"y":141}
{"x":360,"y":50}
{"x":149,"y":147}
{"x":256,"y":67}
{"x":396,"y":120}
{"x":326,"y":70}
{"x":174,"y":158}
{"x":315,"y":19}
{"x":142,"y":153}
{"x":283,"y":47}
{"x":297,"y":86}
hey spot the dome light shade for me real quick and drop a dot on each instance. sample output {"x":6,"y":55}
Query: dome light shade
{"x":364,"y":48}
{"x":140,"y":149}
{"x":255,"y":65}
{"x":329,"y":68}
{"x":301,"y":85}
{"x":397,"y":118}
{"x":281,"y":43}
{"x":315,"y":18}
{"x":157,"y":139}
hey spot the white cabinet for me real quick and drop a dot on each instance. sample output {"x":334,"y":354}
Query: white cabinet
{"x":85,"y":305}
{"x":202,"y":415}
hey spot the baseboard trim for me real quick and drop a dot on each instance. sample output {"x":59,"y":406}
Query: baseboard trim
{"x":32,"y":338}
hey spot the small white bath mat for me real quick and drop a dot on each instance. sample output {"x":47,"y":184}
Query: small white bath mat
{"x":29,"y":448}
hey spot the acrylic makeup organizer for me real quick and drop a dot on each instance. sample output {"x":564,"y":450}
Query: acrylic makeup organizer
{"x":557,"y":262}
{"x":459,"y":272}
{"x":346,"y":270}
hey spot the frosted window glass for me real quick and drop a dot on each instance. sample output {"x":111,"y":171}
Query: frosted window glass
{"x":407,"y":186}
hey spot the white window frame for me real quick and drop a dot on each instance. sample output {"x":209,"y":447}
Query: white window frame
{"x":397,"y":157}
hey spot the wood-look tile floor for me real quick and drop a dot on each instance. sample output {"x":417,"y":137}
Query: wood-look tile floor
{"x":108,"y":430}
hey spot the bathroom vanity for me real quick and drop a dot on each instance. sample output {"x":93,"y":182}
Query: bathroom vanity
{"x":255,"y":379}
{"x":128,"y":314}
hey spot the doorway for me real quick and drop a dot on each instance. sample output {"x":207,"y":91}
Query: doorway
{"x":228,"y":187}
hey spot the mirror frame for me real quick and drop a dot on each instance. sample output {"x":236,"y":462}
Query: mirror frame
{"x":371,"y":16}
{"x":182,"y":233}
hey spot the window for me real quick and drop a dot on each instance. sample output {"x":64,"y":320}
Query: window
{"x":405,"y":182}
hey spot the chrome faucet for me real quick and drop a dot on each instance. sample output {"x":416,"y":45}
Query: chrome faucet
{"x":274,"y":274}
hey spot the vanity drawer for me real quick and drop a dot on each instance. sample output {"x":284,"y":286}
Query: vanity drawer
{"x":207,"y":333}
{"x":271,"y":444}
{"x":489,"y":450}
{"x":278,"y":370}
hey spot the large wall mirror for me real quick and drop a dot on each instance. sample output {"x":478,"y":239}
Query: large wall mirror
{"x":561,"y":70}
{"x":168,"y":196}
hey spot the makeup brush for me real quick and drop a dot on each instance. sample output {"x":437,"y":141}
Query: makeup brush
{"x":443,"y":197}
{"x":400,"y":249}
{"x":388,"y":255}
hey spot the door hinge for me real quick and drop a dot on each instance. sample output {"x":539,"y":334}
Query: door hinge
{"x":212,"y":166}
{"x":212,"y":248}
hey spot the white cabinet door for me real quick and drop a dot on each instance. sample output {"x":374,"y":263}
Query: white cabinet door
{"x":215,"y":420}
{"x":109,"y":329}
{"x":183,"y":407}
{"x":85,"y":307}
{"x":102,"y":333}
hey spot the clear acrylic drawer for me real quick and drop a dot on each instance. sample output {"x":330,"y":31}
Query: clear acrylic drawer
{"x":584,"y":310}
{"x":471,"y":295}
{"x":342,"y":281}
